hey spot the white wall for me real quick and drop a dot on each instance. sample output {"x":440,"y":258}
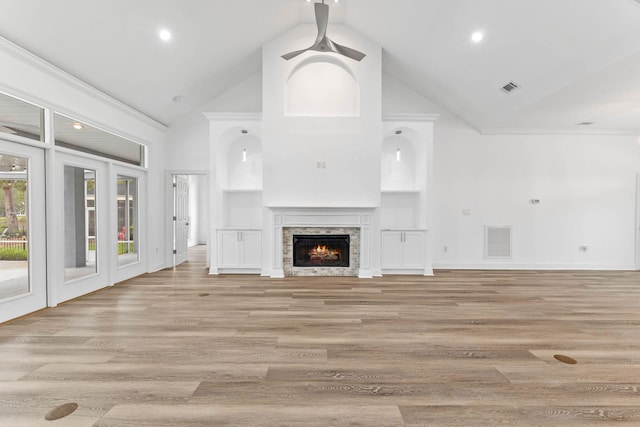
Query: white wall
{"x":349,"y":147}
{"x":188,"y":137}
{"x":586,"y":188}
{"x":585,"y":183}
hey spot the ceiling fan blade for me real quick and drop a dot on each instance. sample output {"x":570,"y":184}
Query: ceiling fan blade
{"x":323,"y":43}
{"x":293,"y":54}
{"x":346,"y":51}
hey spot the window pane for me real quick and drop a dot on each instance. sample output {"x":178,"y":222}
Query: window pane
{"x":14,"y":235}
{"x":80,"y":227}
{"x":79,"y":136}
{"x":127,"y":202}
{"x":20,"y":118}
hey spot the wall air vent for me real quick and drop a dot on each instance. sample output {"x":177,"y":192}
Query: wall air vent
{"x":497,"y":241}
{"x":510,"y":87}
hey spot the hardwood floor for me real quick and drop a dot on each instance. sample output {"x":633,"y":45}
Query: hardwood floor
{"x":463,"y":348}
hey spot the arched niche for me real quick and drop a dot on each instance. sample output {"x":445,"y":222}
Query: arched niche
{"x":243,"y":159}
{"x":322,"y":86}
{"x":399,"y":161}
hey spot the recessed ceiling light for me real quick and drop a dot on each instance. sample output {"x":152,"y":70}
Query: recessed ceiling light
{"x":177,"y":98}
{"x":77,"y":126}
{"x":165,"y":35}
{"x":585,"y":123}
{"x":477,"y":37}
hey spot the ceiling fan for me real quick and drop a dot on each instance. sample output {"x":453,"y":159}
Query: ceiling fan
{"x":324,"y":43}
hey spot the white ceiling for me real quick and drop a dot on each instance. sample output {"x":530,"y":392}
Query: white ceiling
{"x":575,"y":60}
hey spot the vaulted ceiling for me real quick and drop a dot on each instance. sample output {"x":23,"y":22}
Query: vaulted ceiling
{"x":575,"y":60}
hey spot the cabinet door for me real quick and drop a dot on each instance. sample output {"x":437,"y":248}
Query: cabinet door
{"x":229,"y":249}
{"x":391,"y":249}
{"x":413,"y":249}
{"x":251,"y":249}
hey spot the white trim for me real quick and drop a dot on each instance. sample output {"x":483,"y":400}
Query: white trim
{"x":410,"y":117}
{"x":51,"y":70}
{"x":507,"y":131}
{"x":502,"y":266}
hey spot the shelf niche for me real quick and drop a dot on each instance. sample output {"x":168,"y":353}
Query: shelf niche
{"x":243,"y":154}
{"x":240,"y":178}
{"x":398,"y":163}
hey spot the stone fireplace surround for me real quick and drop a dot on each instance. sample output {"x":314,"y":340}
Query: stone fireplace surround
{"x":357,"y":222}
{"x":354,"y":252}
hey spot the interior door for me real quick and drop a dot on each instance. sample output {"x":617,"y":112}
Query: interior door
{"x":181,"y":218}
{"x":23,"y":285}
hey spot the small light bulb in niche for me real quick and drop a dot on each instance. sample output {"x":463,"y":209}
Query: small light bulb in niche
{"x":398,"y":155}
{"x":77,"y":126}
{"x":244,"y":154}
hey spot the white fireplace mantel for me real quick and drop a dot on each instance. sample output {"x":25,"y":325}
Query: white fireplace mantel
{"x":282,"y":217}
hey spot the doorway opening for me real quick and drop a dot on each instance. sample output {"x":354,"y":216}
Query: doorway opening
{"x":190,"y":217}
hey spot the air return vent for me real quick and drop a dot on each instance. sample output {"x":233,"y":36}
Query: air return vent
{"x":497,"y":241}
{"x":510,"y":87}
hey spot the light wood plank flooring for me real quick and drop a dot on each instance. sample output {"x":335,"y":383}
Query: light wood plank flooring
{"x":463,"y":348}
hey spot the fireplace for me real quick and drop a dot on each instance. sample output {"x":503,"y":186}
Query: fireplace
{"x":321,"y":250}
{"x":351,"y":256}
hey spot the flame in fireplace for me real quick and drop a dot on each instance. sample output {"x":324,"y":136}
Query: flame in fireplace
{"x":323,"y":253}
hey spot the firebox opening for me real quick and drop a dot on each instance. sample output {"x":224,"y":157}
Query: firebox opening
{"x":321,"y":250}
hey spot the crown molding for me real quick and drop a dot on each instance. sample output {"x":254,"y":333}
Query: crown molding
{"x":559,"y":132}
{"x":410,"y":117}
{"x":62,"y":76}
{"x":234,"y":117}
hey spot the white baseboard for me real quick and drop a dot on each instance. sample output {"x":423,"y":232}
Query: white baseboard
{"x":502,"y":266}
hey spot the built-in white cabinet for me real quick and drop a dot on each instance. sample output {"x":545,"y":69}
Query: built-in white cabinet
{"x":239,"y":251}
{"x":403,"y":251}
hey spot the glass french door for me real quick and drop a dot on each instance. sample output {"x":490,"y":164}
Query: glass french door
{"x":23,"y":286}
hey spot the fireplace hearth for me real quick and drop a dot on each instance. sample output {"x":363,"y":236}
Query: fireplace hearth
{"x":321,"y":250}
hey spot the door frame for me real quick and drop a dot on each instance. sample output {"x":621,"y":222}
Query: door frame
{"x":169,"y":206}
{"x":67,"y":290}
